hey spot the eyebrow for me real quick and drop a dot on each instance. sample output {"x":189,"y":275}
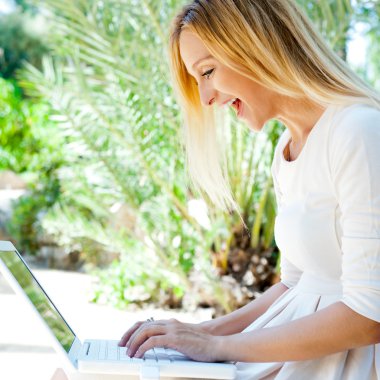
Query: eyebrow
{"x":200,"y":60}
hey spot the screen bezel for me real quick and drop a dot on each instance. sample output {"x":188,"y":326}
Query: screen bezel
{"x":70,"y":356}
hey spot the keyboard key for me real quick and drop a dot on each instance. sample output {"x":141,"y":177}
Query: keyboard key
{"x":93,"y":352}
{"x":112,"y":353}
{"x":179,"y":358}
{"x":163,"y":357}
{"x":103,"y":350}
{"x":150,"y":354}
{"x":137,"y":360}
{"x":163,"y":361}
{"x":85,"y":348}
{"x":122,"y":352}
{"x":150,"y":361}
{"x":124,"y":357}
{"x":170,"y":352}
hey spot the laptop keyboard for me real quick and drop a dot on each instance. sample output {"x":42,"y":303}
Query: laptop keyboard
{"x":109,"y":350}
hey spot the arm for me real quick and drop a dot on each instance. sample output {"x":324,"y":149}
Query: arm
{"x":333,"y":329}
{"x":238,"y":320}
{"x":330,"y":330}
{"x":352,"y":322}
{"x":355,"y":320}
{"x":232,"y":323}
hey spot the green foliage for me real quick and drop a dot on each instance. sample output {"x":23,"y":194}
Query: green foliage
{"x":132,"y":282}
{"x":107,"y":81}
{"x":121,"y":122}
{"x":368,"y":16}
{"x":336,"y":19}
{"x":29,"y":145}
{"x":21,"y":39}
{"x":24,"y":225}
{"x":26,"y":7}
{"x":28,"y":141}
{"x":333,"y":19}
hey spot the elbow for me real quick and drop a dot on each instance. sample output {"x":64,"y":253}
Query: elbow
{"x":372,"y":333}
{"x":366,"y":331}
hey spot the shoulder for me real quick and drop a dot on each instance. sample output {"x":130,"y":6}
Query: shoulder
{"x":354,"y":137}
{"x":355,"y":122}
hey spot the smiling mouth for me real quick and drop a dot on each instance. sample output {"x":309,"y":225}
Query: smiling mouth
{"x":237,"y":106}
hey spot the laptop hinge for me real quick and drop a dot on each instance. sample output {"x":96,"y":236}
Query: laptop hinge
{"x":148,"y":372}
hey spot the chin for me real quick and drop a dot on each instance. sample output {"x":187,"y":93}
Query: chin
{"x":254,"y":126}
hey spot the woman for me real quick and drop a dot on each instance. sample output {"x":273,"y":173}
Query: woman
{"x":264,"y":59}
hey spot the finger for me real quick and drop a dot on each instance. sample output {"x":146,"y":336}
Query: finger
{"x":154,"y":341}
{"x":142,"y":325}
{"x":143,"y":335}
{"x":136,"y":332}
{"x":125,"y":338}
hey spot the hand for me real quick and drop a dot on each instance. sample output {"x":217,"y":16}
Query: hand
{"x":128,"y":337}
{"x":190,"y":339}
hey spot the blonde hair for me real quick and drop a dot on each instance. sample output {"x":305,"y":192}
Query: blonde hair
{"x":269,"y":41}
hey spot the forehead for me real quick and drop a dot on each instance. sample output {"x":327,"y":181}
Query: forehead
{"x":192,"y":49}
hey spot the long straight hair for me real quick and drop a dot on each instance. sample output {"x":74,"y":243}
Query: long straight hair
{"x":271,"y":42}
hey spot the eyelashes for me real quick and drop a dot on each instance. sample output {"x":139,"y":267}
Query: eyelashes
{"x":208,"y":73}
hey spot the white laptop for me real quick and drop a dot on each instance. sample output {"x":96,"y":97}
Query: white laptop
{"x":98,"y":356}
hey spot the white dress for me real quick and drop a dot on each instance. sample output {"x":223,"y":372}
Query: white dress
{"x":328,"y":232}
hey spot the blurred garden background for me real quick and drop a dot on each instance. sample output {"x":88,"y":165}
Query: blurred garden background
{"x":92,"y":167}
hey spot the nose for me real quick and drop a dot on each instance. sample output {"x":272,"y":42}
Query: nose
{"x":207,"y":95}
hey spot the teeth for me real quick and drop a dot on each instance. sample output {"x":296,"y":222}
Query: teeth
{"x":230,"y":102}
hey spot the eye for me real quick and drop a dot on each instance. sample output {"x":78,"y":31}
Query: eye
{"x":208,"y":73}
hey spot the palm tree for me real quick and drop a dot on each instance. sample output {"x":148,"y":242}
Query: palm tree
{"x":107,"y":80}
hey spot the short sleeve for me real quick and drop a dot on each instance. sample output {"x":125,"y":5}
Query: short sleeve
{"x":355,"y":171}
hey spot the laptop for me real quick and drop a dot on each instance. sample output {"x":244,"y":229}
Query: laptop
{"x":98,"y":356}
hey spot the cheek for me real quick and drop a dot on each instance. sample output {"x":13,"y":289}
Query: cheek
{"x":227,"y":81}
{"x":222,"y":85}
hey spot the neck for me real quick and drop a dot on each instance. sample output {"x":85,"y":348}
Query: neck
{"x":299,"y":116}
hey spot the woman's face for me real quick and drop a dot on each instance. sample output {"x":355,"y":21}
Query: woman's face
{"x":220,"y":85}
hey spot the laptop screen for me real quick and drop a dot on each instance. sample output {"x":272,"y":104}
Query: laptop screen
{"x":39,"y":298}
